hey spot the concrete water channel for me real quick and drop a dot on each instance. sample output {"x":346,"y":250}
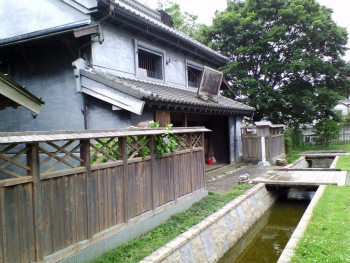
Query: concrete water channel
{"x":265,"y":241}
{"x":257,"y":212}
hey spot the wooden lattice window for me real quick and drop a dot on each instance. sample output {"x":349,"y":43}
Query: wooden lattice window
{"x":105,"y":150}
{"x":196,"y":140}
{"x":137,"y":146}
{"x":13,"y":161}
{"x":183,"y":141}
{"x":61,"y":155}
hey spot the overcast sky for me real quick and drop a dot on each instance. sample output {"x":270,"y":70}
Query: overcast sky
{"x":206,"y":12}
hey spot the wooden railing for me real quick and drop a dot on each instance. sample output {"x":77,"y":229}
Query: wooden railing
{"x":52,"y":198}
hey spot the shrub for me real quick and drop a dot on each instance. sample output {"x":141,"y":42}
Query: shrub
{"x":288,"y":144}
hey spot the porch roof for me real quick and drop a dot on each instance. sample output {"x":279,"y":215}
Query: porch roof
{"x":163,"y":95}
{"x":13,"y":95}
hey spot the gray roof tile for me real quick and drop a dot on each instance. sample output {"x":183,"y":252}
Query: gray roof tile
{"x":159,"y":92}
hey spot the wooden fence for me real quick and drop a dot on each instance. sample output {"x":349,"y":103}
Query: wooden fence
{"x":53,"y":202}
{"x":251,"y":144}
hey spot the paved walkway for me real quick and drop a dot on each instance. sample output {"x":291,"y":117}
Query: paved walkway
{"x":224,"y":179}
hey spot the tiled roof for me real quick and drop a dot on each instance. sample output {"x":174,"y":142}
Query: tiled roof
{"x":159,"y":92}
{"x":143,"y":15}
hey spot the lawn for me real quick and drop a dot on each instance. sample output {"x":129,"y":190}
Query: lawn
{"x":137,"y":249}
{"x":327,"y":236}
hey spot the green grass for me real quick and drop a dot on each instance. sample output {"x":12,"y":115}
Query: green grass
{"x":297,"y":151}
{"x":327,"y":236}
{"x":344,"y":162}
{"x":136,"y":249}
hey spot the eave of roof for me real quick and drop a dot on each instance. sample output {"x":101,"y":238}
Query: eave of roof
{"x":166,"y":29}
{"x":49,"y":32}
{"x":19,"y":95}
{"x":162,"y":94}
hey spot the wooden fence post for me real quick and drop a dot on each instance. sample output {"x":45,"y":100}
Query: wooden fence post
{"x":203,"y":160}
{"x":124,"y":152}
{"x":33,"y":161}
{"x":153,"y":173}
{"x":191,"y":161}
{"x":85,"y":155}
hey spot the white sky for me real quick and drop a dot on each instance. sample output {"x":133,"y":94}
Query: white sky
{"x":205,"y":11}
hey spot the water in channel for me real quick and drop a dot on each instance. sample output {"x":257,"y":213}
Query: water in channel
{"x":265,"y":241}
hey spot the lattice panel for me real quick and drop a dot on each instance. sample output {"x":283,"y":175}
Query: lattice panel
{"x":55,"y":156}
{"x":196,"y":140}
{"x":137,"y":147}
{"x":183,"y":141}
{"x":13,"y":161}
{"x":105,"y":150}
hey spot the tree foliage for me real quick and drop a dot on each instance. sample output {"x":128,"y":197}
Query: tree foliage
{"x":328,"y":129}
{"x":183,"y":21}
{"x":285,"y":57}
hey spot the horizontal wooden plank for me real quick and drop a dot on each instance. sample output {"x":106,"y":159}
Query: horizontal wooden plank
{"x":27,"y":137}
{"x":16,"y":181}
{"x":106,"y":165}
{"x":62,"y":173}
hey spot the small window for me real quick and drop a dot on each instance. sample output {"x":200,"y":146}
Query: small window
{"x":150,"y":64}
{"x":194,"y":77}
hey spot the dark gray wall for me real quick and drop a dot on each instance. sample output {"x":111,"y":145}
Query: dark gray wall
{"x":46,"y":71}
{"x":101,"y":116}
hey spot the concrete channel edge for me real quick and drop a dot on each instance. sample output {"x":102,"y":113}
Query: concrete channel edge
{"x":210,"y":239}
{"x":298,"y":233}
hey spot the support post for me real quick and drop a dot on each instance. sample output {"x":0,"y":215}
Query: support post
{"x":85,"y":155}
{"x":33,"y":161}
{"x":153,"y":173}
{"x":203,"y":160}
{"x":124,"y":152}
{"x":231,"y":132}
{"x":191,"y":161}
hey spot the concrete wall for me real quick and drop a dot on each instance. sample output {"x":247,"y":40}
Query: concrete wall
{"x":209,"y":240}
{"x":24,"y":16}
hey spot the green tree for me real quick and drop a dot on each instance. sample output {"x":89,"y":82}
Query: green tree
{"x":285,"y":57}
{"x":328,"y":128}
{"x":183,"y":21}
